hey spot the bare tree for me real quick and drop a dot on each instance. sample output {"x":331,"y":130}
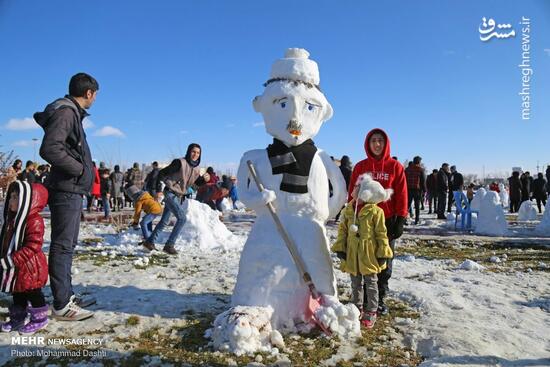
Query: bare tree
{"x":6,"y":159}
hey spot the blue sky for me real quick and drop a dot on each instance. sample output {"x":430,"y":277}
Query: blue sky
{"x":175,"y":72}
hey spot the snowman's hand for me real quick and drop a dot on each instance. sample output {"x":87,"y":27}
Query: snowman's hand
{"x":268,"y":196}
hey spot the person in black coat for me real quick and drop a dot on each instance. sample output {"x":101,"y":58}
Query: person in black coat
{"x":65,"y":147}
{"x":526,"y":186}
{"x":151,"y":180}
{"x":442,"y":190}
{"x":28,"y":174}
{"x":431,"y":186}
{"x":539,"y":191}
{"x":345,"y":168}
{"x":514,"y":184}
{"x":548,"y":179}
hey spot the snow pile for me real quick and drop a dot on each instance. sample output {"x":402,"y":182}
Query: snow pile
{"x":203,"y":229}
{"x":544,"y":225}
{"x":342,"y":320}
{"x":470,"y":265}
{"x":491,"y":220}
{"x":504,"y":196}
{"x":527,"y":211}
{"x":478,"y":197}
{"x":245,"y":329}
{"x":248,"y":329}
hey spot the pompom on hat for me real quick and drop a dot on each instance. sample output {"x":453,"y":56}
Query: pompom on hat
{"x":369,"y":191}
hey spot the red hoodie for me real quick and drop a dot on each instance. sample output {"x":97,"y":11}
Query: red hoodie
{"x":388,"y":172}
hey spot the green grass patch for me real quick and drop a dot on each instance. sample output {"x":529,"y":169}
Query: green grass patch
{"x":517,"y":258}
{"x":132,"y":320}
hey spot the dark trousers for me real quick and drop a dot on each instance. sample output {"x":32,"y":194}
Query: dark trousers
{"x":65,"y":221}
{"x":539,"y":201}
{"x":432,"y":198}
{"x":514,"y":205}
{"x":415,"y":195}
{"x":384,"y":277}
{"x":441,"y":203}
{"x":450,"y":201}
{"x":35,"y":297}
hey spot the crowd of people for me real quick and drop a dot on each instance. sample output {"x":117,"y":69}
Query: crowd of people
{"x":377,"y":210}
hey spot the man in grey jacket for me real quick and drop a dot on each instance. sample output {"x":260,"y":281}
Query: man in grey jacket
{"x":65,"y":147}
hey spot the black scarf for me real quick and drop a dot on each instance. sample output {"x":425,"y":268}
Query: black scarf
{"x":293,"y":162}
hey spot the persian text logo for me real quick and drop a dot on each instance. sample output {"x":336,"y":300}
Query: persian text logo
{"x":489,"y":29}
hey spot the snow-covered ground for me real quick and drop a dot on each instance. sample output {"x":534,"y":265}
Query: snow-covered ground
{"x":497,"y":315}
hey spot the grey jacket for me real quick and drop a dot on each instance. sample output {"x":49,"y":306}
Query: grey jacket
{"x":179,"y":175}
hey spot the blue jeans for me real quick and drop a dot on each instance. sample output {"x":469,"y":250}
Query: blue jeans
{"x":106,"y":205}
{"x":146,"y":225}
{"x":172,"y":205}
{"x":65,"y":208}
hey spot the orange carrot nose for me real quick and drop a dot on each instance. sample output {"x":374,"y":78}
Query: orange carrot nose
{"x":295,"y":132}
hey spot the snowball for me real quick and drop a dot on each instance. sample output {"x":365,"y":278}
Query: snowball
{"x":470,"y":265}
{"x":243,"y":329}
{"x":527,"y":211}
{"x":494,"y":259}
{"x":277,"y":339}
{"x":342,"y":320}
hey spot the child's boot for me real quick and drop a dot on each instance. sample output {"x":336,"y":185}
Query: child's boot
{"x":39,"y":320}
{"x":369,"y":318}
{"x":17,"y":319}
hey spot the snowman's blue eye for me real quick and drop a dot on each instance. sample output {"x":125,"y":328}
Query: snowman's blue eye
{"x":283,"y":104}
{"x":310,"y":107}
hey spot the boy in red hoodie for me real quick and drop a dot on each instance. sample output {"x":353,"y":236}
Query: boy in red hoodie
{"x":23,"y":265}
{"x":391,"y":175}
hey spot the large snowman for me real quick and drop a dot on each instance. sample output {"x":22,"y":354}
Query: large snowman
{"x":296,"y":175}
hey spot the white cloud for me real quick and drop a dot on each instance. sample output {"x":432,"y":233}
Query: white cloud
{"x":109,"y":131}
{"x":184,"y":132}
{"x":87,"y":123}
{"x":258,"y":124}
{"x":26,"y":123}
{"x":23,"y":143}
{"x":547,"y":50}
{"x":230,"y":125}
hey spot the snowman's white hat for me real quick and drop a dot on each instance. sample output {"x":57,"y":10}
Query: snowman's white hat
{"x":295,"y":66}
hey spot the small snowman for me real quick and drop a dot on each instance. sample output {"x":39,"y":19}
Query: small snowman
{"x":296,"y":175}
{"x":491,"y":219}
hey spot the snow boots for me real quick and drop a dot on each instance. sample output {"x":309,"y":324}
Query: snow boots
{"x":17,"y":319}
{"x":39,"y":320}
{"x":368,"y":320}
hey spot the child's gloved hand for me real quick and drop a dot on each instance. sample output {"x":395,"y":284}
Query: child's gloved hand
{"x":341,"y":255}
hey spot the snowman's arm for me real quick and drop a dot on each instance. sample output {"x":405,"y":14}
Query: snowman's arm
{"x":339,"y":189}
{"x":248,"y":191}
